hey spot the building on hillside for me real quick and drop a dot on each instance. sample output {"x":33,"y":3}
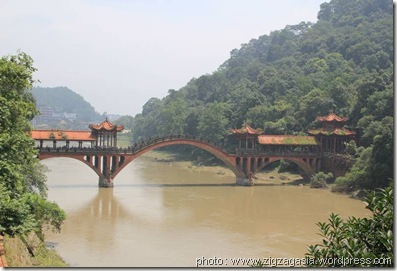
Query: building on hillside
{"x":46,"y":113}
{"x":69,"y":116}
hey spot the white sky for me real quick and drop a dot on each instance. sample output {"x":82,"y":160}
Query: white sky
{"x":119,"y":53}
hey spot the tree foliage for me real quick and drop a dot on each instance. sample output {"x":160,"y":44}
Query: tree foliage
{"x":321,"y":179}
{"x":358,"y":242}
{"x":22,"y":177}
{"x":282,"y":81}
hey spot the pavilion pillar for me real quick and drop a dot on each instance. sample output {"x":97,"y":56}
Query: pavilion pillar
{"x":54,"y":144}
{"x":248,"y":165}
{"x":41,"y":144}
{"x":108,"y":162}
{"x":67,"y":143}
{"x":334,"y":144}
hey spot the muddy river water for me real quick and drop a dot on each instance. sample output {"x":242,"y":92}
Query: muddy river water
{"x":163,"y":215}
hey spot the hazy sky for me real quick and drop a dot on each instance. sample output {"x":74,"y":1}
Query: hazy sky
{"x":119,"y":53}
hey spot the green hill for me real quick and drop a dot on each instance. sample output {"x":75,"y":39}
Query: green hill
{"x":282,"y":81}
{"x":64,"y":100}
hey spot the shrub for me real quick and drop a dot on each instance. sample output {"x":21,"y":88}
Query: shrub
{"x":357,"y":242}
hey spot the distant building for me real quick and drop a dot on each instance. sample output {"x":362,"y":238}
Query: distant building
{"x":57,"y":116}
{"x":46,"y":113}
{"x":69,"y":116}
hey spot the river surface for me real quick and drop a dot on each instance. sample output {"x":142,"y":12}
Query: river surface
{"x":162,"y":215}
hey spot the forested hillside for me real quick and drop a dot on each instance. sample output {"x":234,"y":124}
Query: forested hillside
{"x":282,"y":81}
{"x":62,"y":99}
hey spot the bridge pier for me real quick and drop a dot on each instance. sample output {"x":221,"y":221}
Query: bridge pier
{"x":243,"y":181}
{"x":104,"y":182}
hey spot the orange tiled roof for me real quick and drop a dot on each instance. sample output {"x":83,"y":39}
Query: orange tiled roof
{"x":106,"y":125}
{"x":247,"y":130}
{"x":332,"y":117}
{"x":336,"y":131}
{"x":62,"y":135}
{"x":286,"y":140}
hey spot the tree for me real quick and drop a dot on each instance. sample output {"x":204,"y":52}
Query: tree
{"x":173,"y":117}
{"x":126,"y":121}
{"x":357,"y":242}
{"x":213,"y":122}
{"x":21,"y":174}
{"x":282,"y":81}
{"x":321,"y":179}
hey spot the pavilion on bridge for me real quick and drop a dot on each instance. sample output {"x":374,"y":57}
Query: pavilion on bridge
{"x":103,"y":135}
{"x":106,"y":133}
{"x":330,"y":137}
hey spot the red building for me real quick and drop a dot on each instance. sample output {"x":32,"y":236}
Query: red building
{"x":103,"y":134}
{"x":106,"y":133}
{"x":332,"y":135}
{"x":247,"y":137}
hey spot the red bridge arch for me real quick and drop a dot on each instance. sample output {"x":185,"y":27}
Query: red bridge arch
{"x":109,"y":162}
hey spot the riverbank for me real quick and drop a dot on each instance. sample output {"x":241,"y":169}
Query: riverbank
{"x":30,"y":251}
{"x":271,"y":176}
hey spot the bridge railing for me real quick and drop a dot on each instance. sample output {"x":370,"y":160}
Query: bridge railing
{"x":142,"y":144}
{"x":136,"y":147}
{"x":255,"y":152}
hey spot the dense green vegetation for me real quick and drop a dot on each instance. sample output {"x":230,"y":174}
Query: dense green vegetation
{"x":282,"y":81}
{"x":23,"y":205}
{"x":358,"y":242}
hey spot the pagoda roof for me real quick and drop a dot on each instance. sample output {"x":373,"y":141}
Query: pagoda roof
{"x":106,"y":125}
{"x":332,"y":117}
{"x":247,"y":130}
{"x":286,"y":140}
{"x":62,"y":135}
{"x":328,"y":132}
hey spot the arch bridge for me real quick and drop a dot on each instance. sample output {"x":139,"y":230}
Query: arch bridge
{"x":108,"y":162}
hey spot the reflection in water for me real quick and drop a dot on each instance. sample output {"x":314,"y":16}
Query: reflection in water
{"x":162,"y":215}
{"x":102,"y":210}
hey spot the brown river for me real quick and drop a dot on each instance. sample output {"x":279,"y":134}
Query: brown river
{"x":163,"y":215}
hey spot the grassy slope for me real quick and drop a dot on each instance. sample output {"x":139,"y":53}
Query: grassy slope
{"x":19,"y":253}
